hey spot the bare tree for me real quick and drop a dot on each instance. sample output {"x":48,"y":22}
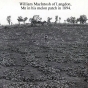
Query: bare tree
{"x":9,"y":19}
{"x":49,"y":20}
{"x":25,"y":19}
{"x":65,"y":21}
{"x":56,"y":19}
{"x":59,"y":19}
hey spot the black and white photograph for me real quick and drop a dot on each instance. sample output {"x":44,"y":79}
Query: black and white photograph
{"x":43,"y":43}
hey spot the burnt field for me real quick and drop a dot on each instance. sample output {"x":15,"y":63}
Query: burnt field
{"x":44,"y":56}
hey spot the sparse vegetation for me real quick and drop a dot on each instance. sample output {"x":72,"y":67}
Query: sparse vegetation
{"x":36,"y":20}
{"x":29,"y":60}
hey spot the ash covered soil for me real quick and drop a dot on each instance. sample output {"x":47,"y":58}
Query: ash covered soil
{"x":44,"y":56}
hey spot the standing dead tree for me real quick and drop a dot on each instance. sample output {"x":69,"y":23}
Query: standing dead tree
{"x":49,"y":20}
{"x":59,"y":19}
{"x":56,"y":19}
{"x":9,"y":19}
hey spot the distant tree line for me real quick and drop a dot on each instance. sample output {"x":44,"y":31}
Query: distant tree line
{"x":36,"y":19}
{"x":82,"y":19}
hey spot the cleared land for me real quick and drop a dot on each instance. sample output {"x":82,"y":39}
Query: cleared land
{"x":44,"y":57}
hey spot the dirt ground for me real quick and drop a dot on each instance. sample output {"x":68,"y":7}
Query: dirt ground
{"x":44,"y":56}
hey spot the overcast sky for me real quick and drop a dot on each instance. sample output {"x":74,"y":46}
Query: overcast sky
{"x":13,"y":8}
